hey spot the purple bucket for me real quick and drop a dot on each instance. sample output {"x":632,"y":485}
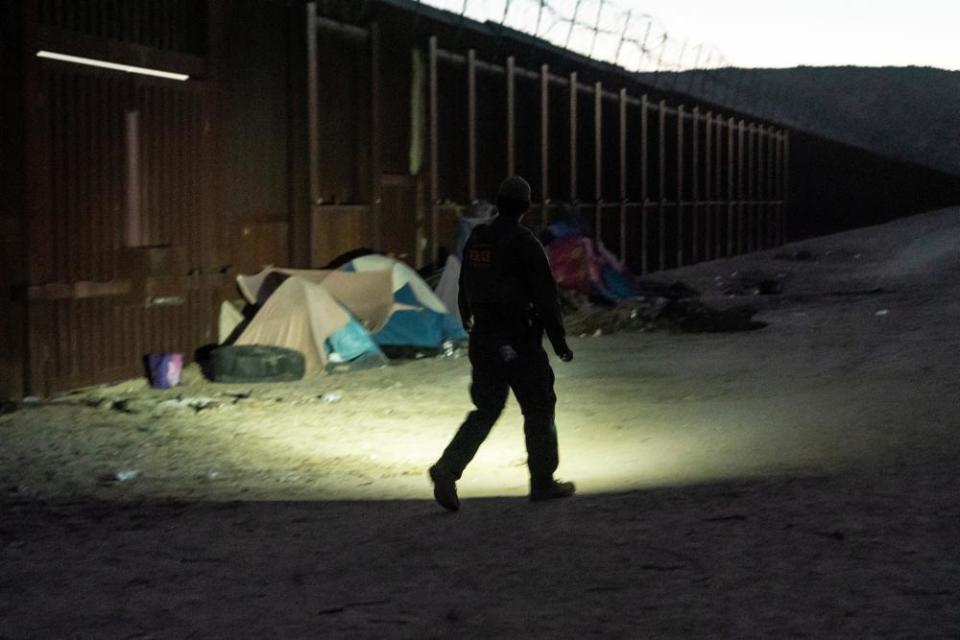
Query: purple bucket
{"x":164,"y":369}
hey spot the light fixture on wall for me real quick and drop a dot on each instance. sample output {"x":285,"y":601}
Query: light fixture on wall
{"x":113,"y":65}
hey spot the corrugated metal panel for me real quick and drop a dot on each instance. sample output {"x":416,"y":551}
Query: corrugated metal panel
{"x":84,"y":123}
{"x":171,"y":138}
{"x":84,"y":338}
{"x":99,"y":339}
{"x":84,"y":133}
{"x":169,"y":25}
{"x":12,"y":255}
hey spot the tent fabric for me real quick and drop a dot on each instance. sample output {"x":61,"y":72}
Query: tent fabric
{"x":367,"y":295}
{"x":574,"y":263}
{"x":579,"y":263}
{"x":448,"y":288}
{"x":420,"y":318}
{"x":304,"y":316}
{"x":401,"y":274}
{"x":347,"y":314}
{"x":230,"y":319}
{"x":418,"y":326}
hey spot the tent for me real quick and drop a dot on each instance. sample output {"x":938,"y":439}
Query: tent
{"x":419,"y":318}
{"x":368,"y":296}
{"x":346,"y":315}
{"x":581,"y":264}
{"x":304,"y":316}
{"x":448,"y":289}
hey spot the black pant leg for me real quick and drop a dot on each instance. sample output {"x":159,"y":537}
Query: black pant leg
{"x":488,"y":389}
{"x":532,"y":384}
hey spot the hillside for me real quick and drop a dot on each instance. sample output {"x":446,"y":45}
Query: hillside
{"x":911,"y":113}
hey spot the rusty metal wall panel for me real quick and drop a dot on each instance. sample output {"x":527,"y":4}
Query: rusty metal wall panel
{"x":169,"y":25}
{"x":256,"y":244}
{"x":12,"y":254}
{"x":172,"y":170}
{"x":83,"y":120}
{"x":91,"y":319}
{"x":399,"y":217}
{"x":344,"y":122}
{"x":98,"y":339}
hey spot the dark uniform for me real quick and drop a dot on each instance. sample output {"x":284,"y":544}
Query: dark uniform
{"x":506,"y":287}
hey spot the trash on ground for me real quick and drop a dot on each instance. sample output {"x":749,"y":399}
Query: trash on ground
{"x":750,"y":284}
{"x":121,"y":475}
{"x":122,"y":405}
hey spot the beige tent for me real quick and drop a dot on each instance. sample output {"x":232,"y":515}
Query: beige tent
{"x":299,"y":315}
{"x":368,"y":294}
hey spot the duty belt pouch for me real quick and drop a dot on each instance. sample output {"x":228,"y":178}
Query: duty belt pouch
{"x":522,"y":338}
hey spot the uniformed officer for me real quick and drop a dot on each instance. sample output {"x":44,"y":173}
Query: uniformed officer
{"x":508,"y":298}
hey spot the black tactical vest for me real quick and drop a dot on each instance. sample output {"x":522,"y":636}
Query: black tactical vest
{"x":492,"y":280}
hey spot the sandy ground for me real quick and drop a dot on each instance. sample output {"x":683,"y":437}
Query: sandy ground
{"x":795,"y":481}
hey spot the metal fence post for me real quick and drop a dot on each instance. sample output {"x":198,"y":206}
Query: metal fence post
{"x":375,"y":138}
{"x":472,"y":125}
{"x":785,"y":207}
{"x":680,"y":226}
{"x":598,"y":157}
{"x":772,"y":185}
{"x":751,"y":186}
{"x":313,"y":134}
{"x":434,"y":146}
{"x":762,"y":187}
{"x":718,"y":188}
{"x":731,"y":125}
{"x":708,"y":184}
{"x":741,"y":135}
{"x":695,"y":186}
{"x":623,"y":177}
{"x":644,"y":192}
{"x":544,"y":142}
{"x":661,"y":191}
{"x":573,"y":137}
{"x":511,"y":117}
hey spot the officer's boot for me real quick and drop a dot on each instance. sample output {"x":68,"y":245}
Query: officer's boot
{"x":444,"y":488}
{"x":550,"y":489}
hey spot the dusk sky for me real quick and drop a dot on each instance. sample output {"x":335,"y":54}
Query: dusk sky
{"x":753,"y":33}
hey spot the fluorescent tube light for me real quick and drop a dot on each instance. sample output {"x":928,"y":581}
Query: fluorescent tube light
{"x":112,"y":65}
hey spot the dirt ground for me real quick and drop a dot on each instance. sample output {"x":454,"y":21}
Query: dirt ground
{"x":798,"y":481}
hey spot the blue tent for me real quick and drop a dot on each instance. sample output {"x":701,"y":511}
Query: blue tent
{"x":351,"y":343}
{"x":419,"y":318}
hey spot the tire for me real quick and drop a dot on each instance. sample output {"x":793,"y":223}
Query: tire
{"x":254,"y":363}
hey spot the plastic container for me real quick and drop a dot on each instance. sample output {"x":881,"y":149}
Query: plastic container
{"x":164,"y":369}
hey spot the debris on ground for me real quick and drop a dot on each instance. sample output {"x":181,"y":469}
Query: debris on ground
{"x":124,"y":405}
{"x":197,"y":404}
{"x":666,"y":307}
{"x":119,"y":476}
{"x":745,"y":283}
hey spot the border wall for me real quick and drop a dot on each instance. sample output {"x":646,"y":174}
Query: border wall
{"x":130,"y":203}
